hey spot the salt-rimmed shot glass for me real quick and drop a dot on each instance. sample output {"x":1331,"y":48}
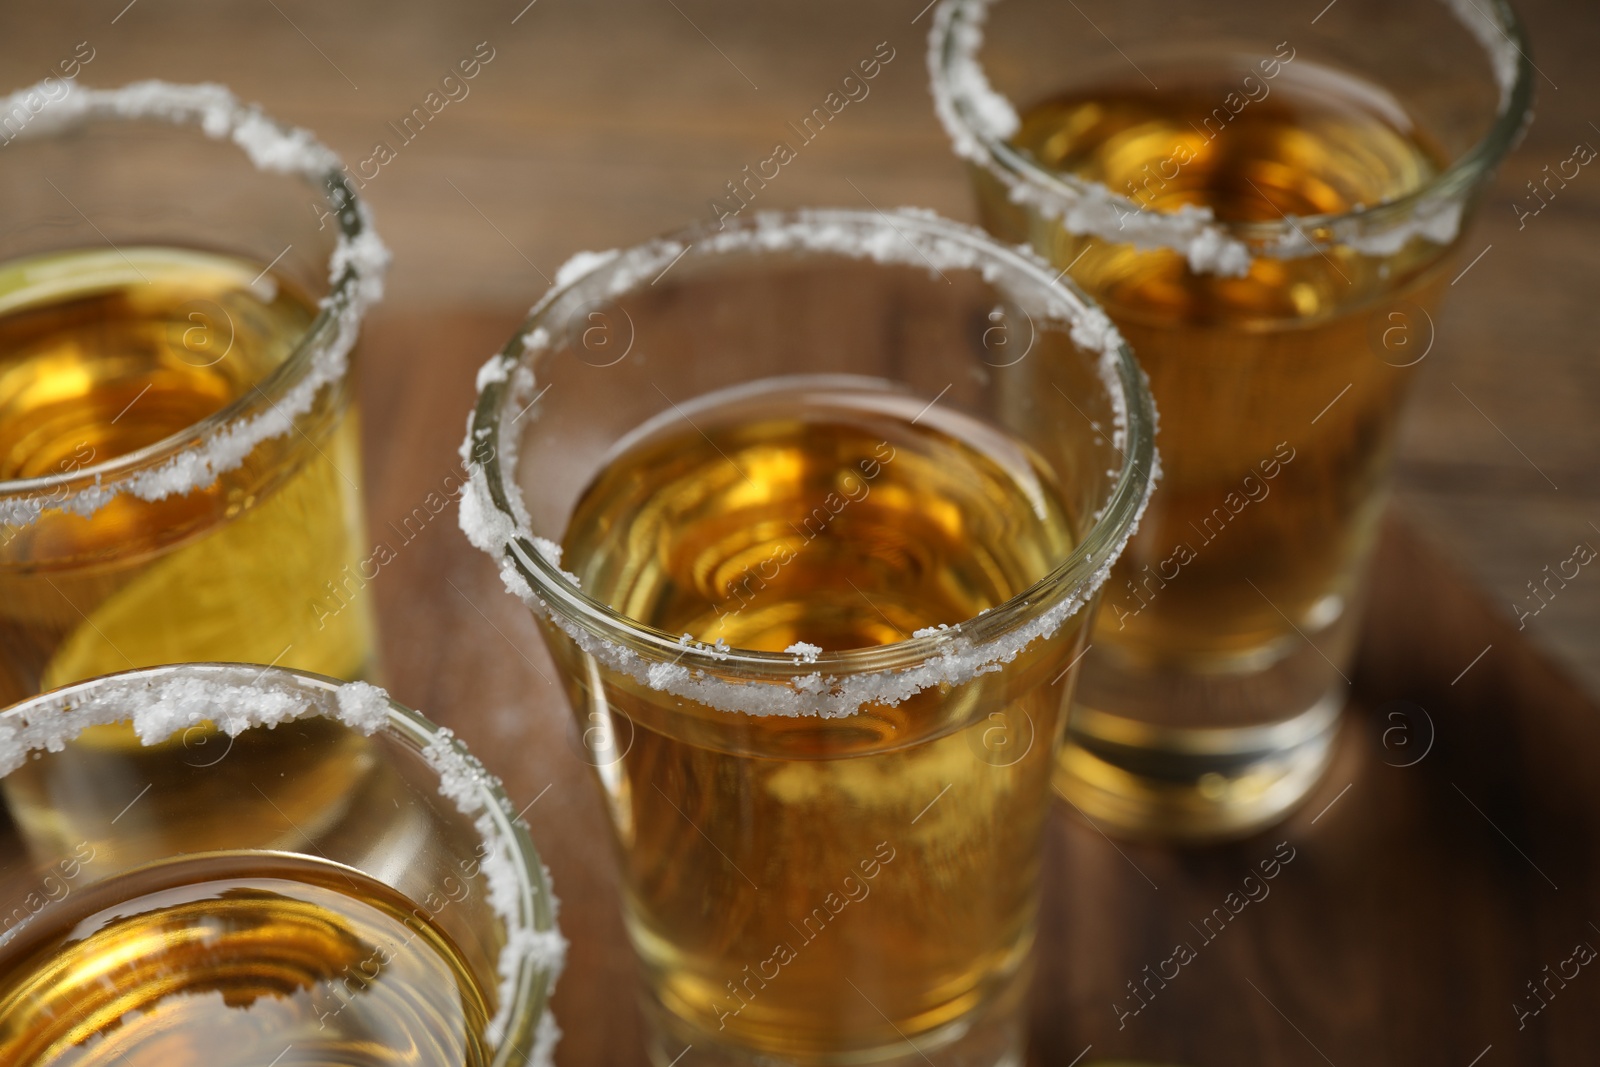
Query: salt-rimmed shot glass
{"x":182,"y":281}
{"x":813,"y":509}
{"x":1269,"y":203}
{"x":325,"y":877}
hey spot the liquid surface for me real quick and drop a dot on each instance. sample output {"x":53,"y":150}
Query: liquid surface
{"x":816,"y":515}
{"x":767,"y":860}
{"x":237,"y":960}
{"x":1278,"y":391}
{"x":1313,"y":142}
{"x":106,"y":352}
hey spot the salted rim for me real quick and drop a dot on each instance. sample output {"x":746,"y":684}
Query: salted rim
{"x":198,"y":454}
{"x":980,"y":120}
{"x":834,"y":684}
{"x":176,"y":698}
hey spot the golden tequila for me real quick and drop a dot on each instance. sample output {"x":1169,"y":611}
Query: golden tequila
{"x":1269,"y":496}
{"x":767,"y":859}
{"x":237,"y":959}
{"x":1279,"y":393}
{"x":104,"y":353}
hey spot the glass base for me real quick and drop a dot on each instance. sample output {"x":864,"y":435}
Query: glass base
{"x":992,"y":1036}
{"x":1140,"y":780}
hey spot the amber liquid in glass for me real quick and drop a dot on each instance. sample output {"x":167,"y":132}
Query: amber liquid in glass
{"x":1268,"y":494}
{"x":1279,"y":394}
{"x":106,"y":352}
{"x":811,"y":888}
{"x":237,"y":959}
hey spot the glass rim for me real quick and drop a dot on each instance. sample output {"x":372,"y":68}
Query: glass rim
{"x":529,"y":991}
{"x":956,"y":37}
{"x":356,"y":264}
{"x":1072,"y":582}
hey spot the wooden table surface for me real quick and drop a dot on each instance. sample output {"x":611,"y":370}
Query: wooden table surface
{"x":1449,"y":855}
{"x":1421,"y":898}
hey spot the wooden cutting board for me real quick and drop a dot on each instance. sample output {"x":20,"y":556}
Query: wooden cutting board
{"x":1447,"y":859}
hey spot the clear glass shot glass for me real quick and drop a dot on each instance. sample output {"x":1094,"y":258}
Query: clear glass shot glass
{"x":813,"y":509}
{"x":281,"y":869}
{"x":182,"y":282}
{"x":1269,"y":203}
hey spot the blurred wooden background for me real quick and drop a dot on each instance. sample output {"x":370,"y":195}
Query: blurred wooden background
{"x":600,"y":122}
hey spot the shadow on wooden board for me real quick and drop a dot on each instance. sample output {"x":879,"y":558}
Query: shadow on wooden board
{"x":1433,"y":900}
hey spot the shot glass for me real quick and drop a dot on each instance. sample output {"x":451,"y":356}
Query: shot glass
{"x":285,"y":869}
{"x":1268,"y":203}
{"x":182,"y":281}
{"x":813,"y":509}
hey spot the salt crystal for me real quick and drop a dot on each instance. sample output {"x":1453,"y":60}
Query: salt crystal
{"x":580,"y":264}
{"x":544,"y":1042}
{"x":536,"y":339}
{"x":363,"y":707}
{"x":497,"y":369}
{"x":804,"y":652}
